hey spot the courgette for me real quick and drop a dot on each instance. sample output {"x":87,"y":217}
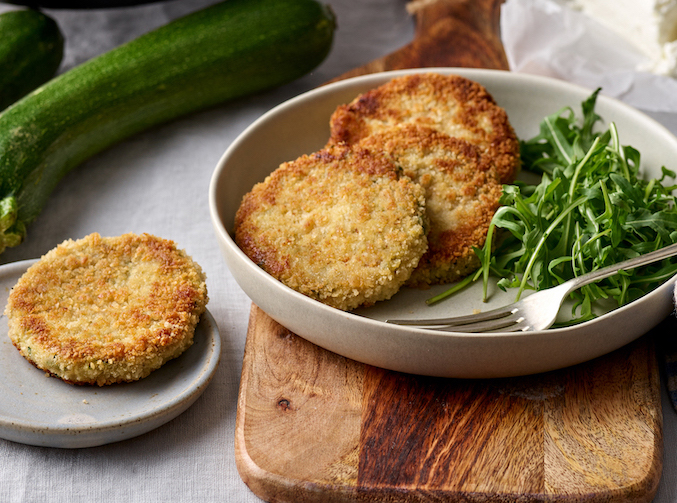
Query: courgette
{"x":31,"y":48}
{"x":228,"y":50}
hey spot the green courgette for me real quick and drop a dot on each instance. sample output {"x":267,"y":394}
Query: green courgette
{"x":228,"y":50}
{"x":31,"y":48}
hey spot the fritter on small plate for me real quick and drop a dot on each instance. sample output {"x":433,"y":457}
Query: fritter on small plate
{"x":107,"y":310}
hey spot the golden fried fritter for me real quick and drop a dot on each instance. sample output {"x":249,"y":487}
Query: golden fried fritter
{"x":339,"y":225}
{"x":461,"y":192}
{"x":450,"y":104}
{"x":107,"y":310}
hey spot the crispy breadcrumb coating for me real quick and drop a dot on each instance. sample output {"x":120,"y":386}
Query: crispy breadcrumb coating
{"x":340,"y":226}
{"x":461,"y":191}
{"x":450,"y":104}
{"x":447,"y":133}
{"x":107,"y":310}
{"x":321,"y":224}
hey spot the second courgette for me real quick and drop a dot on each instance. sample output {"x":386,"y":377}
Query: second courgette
{"x":31,"y":48}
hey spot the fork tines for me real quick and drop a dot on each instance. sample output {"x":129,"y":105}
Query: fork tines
{"x":497,"y":319}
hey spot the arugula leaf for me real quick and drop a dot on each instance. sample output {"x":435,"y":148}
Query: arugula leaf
{"x":591,"y":209}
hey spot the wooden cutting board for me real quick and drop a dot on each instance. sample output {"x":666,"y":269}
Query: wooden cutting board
{"x":313,"y":426}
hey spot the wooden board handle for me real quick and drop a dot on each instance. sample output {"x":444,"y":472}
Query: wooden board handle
{"x":453,"y":33}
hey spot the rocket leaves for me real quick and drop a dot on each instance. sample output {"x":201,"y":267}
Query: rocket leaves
{"x":591,"y":209}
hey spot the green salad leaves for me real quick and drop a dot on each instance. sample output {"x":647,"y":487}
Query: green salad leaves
{"x":591,"y":209}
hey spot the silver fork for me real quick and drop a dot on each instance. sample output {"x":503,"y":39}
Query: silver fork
{"x":537,"y":311}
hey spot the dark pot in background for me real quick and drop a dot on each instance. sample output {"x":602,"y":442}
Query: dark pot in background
{"x":79,"y":4}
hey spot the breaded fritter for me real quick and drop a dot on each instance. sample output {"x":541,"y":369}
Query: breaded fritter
{"x":451,"y":104}
{"x":107,"y":310}
{"x":462,"y":194}
{"x":339,"y":225}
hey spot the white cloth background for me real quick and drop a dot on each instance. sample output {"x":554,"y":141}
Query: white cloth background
{"x":157,"y":182}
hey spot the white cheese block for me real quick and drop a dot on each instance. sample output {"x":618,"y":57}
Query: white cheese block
{"x":651,"y":25}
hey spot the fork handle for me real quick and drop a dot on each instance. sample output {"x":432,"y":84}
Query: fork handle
{"x":605,"y":272}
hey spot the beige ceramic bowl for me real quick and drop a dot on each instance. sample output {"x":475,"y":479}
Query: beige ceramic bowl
{"x":301,"y":126}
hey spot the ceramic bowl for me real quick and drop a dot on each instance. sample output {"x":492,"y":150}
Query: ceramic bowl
{"x":301,"y":125}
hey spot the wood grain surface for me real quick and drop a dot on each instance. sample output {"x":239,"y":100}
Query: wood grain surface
{"x":313,"y":426}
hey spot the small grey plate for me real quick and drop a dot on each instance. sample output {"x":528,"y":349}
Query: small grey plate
{"x":39,"y":410}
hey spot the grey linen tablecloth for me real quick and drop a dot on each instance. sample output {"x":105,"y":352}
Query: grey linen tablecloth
{"x":157,"y":182}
